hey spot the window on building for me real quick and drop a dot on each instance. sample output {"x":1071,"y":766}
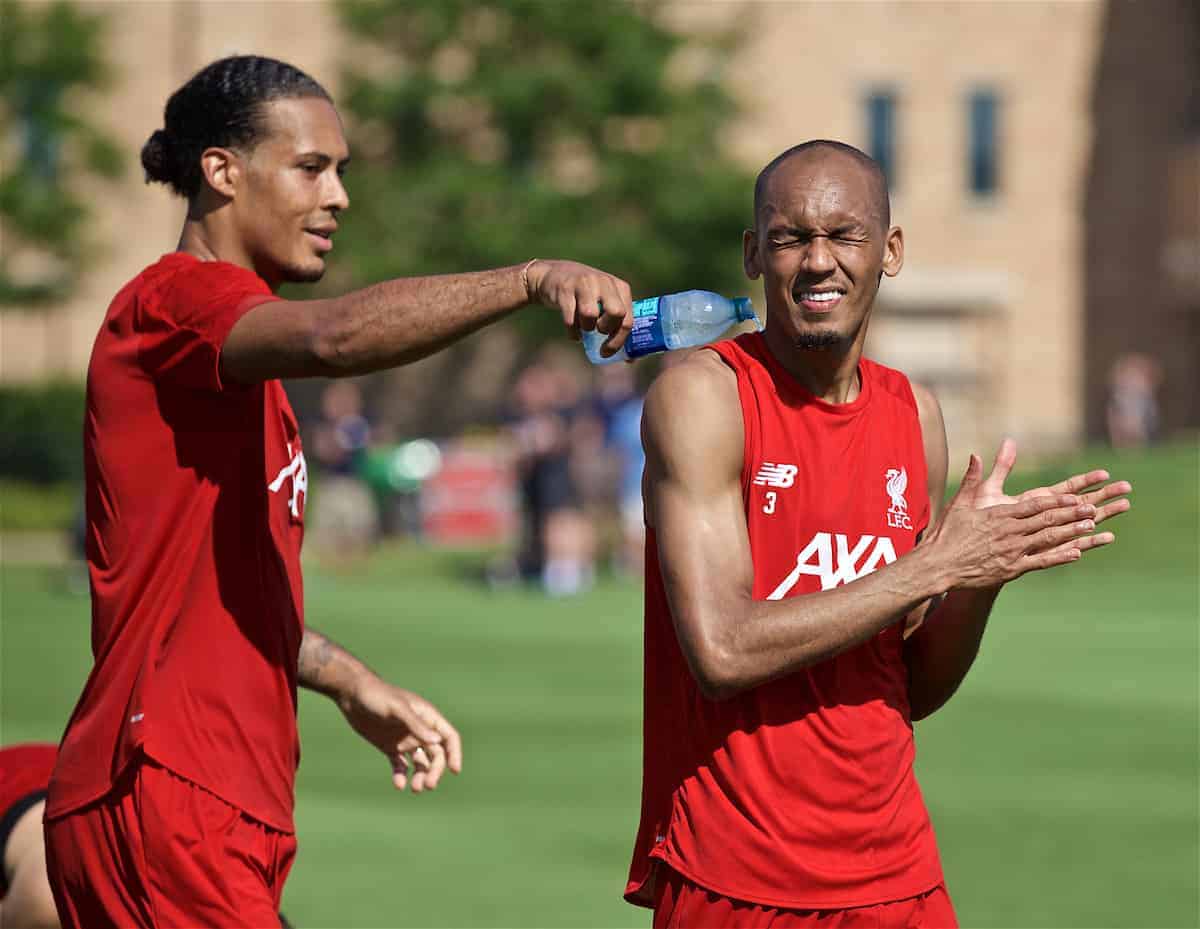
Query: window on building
{"x":36,"y":106}
{"x":881,"y":132}
{"x":983,"y":168}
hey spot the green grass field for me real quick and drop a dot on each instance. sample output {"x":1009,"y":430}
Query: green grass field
{"x":1063,"y":779}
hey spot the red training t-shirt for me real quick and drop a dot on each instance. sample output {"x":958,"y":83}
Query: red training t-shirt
{"x":195,"y":501}
{"x":798,"y":793}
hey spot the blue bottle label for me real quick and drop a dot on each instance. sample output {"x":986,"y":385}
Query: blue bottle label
{"x":647,"y":336}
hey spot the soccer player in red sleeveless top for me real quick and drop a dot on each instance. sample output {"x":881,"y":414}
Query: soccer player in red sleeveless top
{"x":171,"y":801}
{"x":807,"y":595}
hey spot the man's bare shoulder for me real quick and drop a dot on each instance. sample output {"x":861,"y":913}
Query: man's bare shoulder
{"x":694,"y":389}
{"x":933,"y":435}
{"x":929,"y":411}
{"x":693,"y":413}
{"x":926,"y":401}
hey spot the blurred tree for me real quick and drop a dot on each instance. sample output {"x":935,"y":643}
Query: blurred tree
{"x":485,"y":132}
{"x":48,"y":52}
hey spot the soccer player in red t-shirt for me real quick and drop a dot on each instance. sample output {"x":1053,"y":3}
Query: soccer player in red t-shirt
{"x":171,"y":802}
{"x":807,"y":594}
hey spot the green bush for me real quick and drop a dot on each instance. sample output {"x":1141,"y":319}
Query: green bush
{"x":26,"y":507}
{"x":41,"y":432}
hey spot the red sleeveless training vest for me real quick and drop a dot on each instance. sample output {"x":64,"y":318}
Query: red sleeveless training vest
{"x":799,"y":793}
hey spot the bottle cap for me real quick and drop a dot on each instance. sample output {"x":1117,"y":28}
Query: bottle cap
{"x":745,"y":311}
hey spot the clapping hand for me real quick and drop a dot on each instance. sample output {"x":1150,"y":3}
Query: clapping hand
{"x":986,"y":538}
{"x":1092,"y":488}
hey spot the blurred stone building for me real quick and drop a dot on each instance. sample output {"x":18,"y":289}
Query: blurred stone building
{"x":1044,"y":160}
{"x":1141,"y":260}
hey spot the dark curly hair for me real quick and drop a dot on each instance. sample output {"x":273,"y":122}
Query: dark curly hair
{"x":222,"y":105}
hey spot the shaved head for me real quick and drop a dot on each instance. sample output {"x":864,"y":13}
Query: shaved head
{"x":822,"y":241}
{"x":827,"y":148}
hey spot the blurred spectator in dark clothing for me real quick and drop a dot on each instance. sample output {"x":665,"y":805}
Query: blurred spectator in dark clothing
{"x":557,"y":544}
{"x":1133,"y":400}
{"x":345,"y":517}
{"x":343,"y":434}
{"x":619,"y":405}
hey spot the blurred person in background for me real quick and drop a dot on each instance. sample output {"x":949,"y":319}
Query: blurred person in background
{"x":346,"y":518}
{"x":557,"y":547}
{"x":25,"y":898}
{"x":1133,"y":401}
{"x":619,"y":405}
{"x":808,"y":595}
{"x":171,"y":801}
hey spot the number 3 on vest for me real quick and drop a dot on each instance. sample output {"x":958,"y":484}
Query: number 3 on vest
{"x":769,"y":507}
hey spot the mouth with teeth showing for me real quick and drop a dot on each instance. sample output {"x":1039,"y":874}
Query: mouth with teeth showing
{"x":819,"y":300}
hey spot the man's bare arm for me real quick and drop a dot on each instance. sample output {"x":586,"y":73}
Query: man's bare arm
{"x":406,"y":319}
{"x":693,"y":497}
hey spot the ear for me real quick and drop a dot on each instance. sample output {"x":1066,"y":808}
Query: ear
{"x":893,"y":251}
{"x":222,"y":169}
{"x":750,"y":257}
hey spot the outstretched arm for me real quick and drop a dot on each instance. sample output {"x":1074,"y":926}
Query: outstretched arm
{"x":406,"y":319}
{"x":693,"y":500}
{"x":943,"y":645}
{"x":397,"y":722}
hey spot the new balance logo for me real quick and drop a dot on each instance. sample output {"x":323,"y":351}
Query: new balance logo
{"x":830,"y":557}
{"x":897,"y":514}
{"x":776,"y":475}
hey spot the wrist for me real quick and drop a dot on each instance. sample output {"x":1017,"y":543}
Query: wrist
{"x":530,"y":286}
{"x":934,"y":576}
{"x":350,"y":689}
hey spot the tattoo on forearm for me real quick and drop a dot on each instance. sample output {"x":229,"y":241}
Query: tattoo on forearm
{"x":324,"y":666}
{"x":316,"y":654}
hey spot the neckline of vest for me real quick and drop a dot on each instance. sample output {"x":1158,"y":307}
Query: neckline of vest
{"x":793,"y":387}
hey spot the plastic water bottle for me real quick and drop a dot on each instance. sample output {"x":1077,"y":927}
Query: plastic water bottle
{"x":694,"y":317}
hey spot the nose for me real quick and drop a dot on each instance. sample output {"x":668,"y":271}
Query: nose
{"x":818,"y":256}
{"x":336,"y":198}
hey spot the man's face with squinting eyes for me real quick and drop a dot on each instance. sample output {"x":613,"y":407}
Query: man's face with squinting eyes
{"x":820,"y":245}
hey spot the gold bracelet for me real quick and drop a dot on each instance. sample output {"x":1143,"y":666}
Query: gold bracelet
{"x":525,"y":275}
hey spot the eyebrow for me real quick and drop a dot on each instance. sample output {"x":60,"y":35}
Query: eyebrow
{"x":323,"y":158}
{"x":848,"y":225}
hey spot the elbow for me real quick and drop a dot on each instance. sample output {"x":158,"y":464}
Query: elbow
{"x":925,"y":702}
{"x":917,"y":713}
{"x":715,"y":671}
{"x":331,"y":339}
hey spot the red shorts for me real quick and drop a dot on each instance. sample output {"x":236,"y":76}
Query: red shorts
{"x":160,"y":851}
{"x":682,"y":904}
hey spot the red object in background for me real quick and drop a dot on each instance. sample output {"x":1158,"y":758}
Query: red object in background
{"x":471,"y":500}
{"x":24,"y":769}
